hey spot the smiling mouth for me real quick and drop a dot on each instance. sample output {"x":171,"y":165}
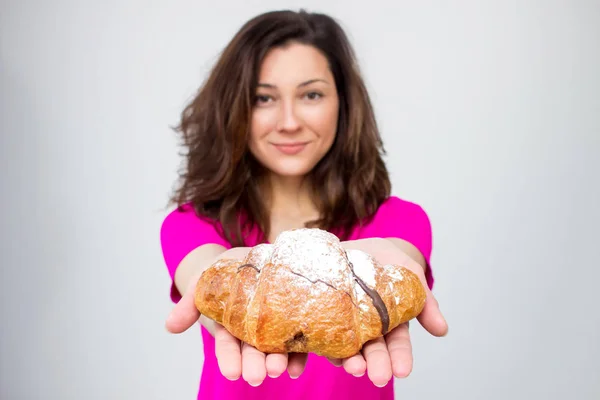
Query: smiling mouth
{"x":290,"y":148}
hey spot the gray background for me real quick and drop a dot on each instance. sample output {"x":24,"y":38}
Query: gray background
{"x":491,"y":115}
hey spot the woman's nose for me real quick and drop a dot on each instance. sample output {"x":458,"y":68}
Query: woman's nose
{"x":288,"y":121}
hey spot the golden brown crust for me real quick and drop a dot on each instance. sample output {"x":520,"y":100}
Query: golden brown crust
{"x":305,"y":293}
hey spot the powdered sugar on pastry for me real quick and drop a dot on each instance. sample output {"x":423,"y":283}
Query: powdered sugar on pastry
{"x":259,"y":254}
{"x":363,"y":265}
{"x":314,"y":254}
{"x":365,"y":270}
{"x":393,"y":272}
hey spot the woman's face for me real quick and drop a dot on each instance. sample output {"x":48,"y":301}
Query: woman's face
{"x":295,"y":115}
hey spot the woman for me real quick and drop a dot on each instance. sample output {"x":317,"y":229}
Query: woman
{"x":281,"y":136}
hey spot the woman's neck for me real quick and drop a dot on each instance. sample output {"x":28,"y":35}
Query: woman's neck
{"x":291,"y":197}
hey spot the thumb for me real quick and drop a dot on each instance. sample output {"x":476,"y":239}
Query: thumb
{"x":184,"y":314}
{"x":431,"y":317}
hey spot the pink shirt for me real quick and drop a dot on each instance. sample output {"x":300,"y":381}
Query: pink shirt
{"x":182,"y":232}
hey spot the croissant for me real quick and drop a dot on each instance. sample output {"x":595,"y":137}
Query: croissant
{"x":305,"y":293}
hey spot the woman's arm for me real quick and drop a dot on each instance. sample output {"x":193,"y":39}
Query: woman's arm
{"x":392,"y":355}
{"x":190,"y":245}
{"x":410,"y":250}
{"x":187,"y":274}
{"x":199,"y":259}
{"x":235,"y":358}
{"x":385,"y":251}
{"x":400,"y":252}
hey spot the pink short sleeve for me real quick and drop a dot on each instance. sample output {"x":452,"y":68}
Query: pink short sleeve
{"x":408,"y":221}
{"x":181,"y":232}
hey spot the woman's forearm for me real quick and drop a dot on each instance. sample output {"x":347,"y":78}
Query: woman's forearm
{"x":378,"y":248}
{"x":386,"y":251}
{"x":198,"y":260}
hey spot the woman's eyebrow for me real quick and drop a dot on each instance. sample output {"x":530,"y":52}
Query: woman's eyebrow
{"x":271,"y":86}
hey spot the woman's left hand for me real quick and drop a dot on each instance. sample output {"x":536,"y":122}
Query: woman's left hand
{"x":391,"y":355}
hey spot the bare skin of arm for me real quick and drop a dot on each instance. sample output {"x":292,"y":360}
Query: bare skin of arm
{"x":187,"y":274}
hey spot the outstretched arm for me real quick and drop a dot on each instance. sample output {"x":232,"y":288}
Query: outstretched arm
{"x":234,"y":357}
{"x":185,"y":314}
{"x":392,"y":355}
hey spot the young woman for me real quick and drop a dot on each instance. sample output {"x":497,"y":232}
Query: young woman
{"x":281,"y":136}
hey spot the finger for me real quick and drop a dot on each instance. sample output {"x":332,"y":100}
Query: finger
{"x":254,"y":370}
{"x":431,"y":317}
{"x":355,"y":365}
{"x":296,"y":364}
{"x":183,"y":315}
{"x":379,"y":367}
{"x":336,"y":362}
{"x":400,"y":349}
{"x":276,"y":364}
{"x":228,"y":352}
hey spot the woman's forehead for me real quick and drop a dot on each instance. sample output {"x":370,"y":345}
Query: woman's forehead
{"x":294,"y":65}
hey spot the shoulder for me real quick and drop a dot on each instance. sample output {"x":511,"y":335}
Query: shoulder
{"x":403,"y":219}
{"x":395,"y":208}
{"x":182,"y":223}
{"x":181,"y":232}
{"x":183,"y":216}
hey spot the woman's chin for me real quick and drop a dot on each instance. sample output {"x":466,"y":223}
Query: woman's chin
{"x":290,"y":171}
{"x":289,"y":174}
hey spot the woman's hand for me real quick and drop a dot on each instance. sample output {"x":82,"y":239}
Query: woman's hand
{"x":235,"y":358}
{"x":391,"y":355}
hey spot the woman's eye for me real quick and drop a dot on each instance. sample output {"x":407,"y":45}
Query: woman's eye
{"x":313,"y":95}
{"x":262,"y":98}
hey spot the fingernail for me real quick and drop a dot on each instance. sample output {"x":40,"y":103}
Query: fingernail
{"x":254,"y":384}
{"x":381,"y":385}
{"x":294,"y":376}
{"x":447,"y":327}
{"x":169,"y":319}
{"x":358,"y":375}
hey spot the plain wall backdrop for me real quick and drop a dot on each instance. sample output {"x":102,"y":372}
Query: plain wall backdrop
{"x":490,"y":112}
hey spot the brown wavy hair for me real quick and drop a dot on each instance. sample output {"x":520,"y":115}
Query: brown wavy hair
{"x":221,"y":178}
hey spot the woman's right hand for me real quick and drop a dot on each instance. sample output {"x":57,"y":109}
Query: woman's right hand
{"x":235,"y":358}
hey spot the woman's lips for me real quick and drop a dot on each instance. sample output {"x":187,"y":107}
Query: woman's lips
{"x":290,"y":148}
